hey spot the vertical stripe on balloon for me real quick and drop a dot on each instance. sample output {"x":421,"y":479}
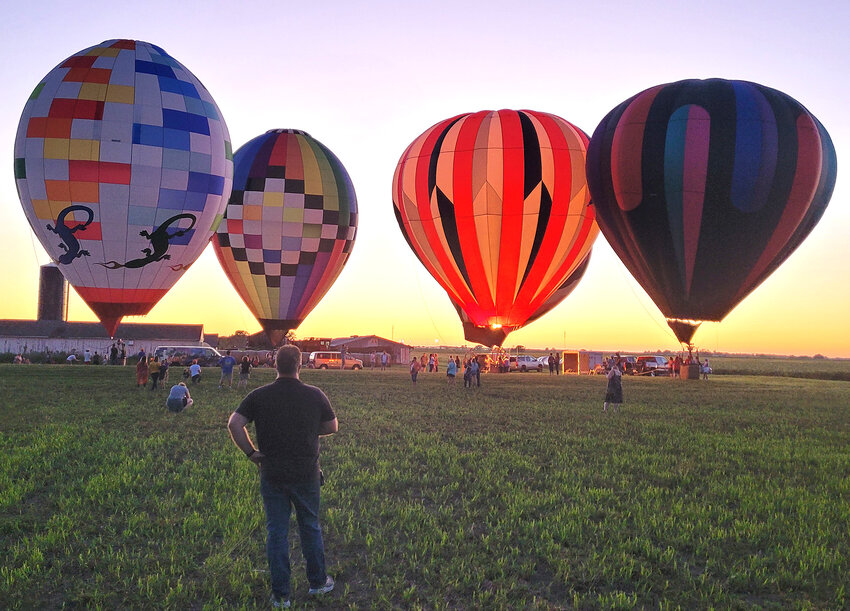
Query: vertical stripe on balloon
{"x":754,"y":161}
{"x":627,"y":150}
{"x":697,"y":140}
{"x":806,"y":179}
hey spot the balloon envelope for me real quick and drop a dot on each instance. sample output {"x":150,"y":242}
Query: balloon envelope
{"x":495,"y":205}
{"x":123,"y":168}
{"x":472,"y":332}
{"x":289,"y":228}
{"x":703,"y":188}
{"x":563,"y":291}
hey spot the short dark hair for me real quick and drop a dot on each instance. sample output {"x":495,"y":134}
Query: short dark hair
{"x":288,"y":359}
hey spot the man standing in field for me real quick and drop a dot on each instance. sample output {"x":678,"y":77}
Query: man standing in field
{"x":289,"y":417}
{"x":227,"y":363}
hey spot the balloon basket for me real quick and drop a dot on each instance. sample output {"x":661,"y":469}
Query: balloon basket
{"x":690,"y":371}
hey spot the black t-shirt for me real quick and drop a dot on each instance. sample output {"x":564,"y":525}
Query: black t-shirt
{"x":287,"y":414}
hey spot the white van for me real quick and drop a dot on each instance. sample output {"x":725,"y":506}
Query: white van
{"x":207,"y":356}
{"x":525,"y":362}
{"x":332,"y":360}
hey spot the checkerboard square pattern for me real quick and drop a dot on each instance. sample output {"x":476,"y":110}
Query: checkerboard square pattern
{"x":301,"y":192}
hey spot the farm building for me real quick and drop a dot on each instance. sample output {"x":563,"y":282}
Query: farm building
{"x":29,"y":336}
{"x":52,"y":333}
{"x":362,"y":347}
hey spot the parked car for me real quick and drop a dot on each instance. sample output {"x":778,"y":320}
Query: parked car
{"x":333,"y":360}
{"x":525,"y":362}
{"x":628,"y":364}
{"x":651,"y":365}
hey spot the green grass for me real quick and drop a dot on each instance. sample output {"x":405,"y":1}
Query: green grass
{"x":823,"y":369}
{"x":731,"y":493}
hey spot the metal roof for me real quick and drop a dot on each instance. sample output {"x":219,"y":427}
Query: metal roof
{"x":94,"y":330}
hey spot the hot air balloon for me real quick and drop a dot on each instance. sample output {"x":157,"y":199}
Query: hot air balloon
{"x":495,"y":206}
{"x":703,"y":188}
{"x":123,"y":168}
{"x":289,"y":228}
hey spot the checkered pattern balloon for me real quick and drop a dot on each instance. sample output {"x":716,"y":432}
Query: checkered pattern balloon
{"x":289,"y":227}
{"x":123,"y":166}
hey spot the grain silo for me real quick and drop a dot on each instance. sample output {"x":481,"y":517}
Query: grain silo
{"x":52,"y":294}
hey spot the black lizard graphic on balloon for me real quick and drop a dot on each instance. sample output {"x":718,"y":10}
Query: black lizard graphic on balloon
{"x":70,"y":244}
{"x":160,"y":240}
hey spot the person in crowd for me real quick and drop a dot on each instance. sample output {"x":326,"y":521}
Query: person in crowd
{"x":153,"y":370}
{"x":227,"y":363}
{"x":385,"y":359}
{"x":614,"y":391}
{"x":414,"y":369}
{"x":451,"y":371}
{"x":142,"y":372}
{"x":372,"y":360}
{"x":244,"y":372}
{"x":87,"y":356}
{"x":179,"y":398}
{"x":551,"y":362}
{"x":705,"y":369}
{"x":164,"y":366}
{"x":72,"y":358}
{"x":195,"y":372}
{"x":558,"y":363}
{"x":289,"y":417}
{"x":475,"y":370}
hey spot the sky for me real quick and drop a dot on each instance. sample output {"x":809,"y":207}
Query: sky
{"x":366,"y":78}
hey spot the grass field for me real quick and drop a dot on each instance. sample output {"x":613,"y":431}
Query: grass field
{"x":730,"y":493}
{"x":824,"y":369}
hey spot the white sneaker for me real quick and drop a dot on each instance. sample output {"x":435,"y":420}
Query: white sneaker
{"x":329,"y":585}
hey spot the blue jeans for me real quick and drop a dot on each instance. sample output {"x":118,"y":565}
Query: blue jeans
{"x":278,"y":500}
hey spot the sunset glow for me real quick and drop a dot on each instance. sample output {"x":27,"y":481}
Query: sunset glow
{"x":365,"y":80}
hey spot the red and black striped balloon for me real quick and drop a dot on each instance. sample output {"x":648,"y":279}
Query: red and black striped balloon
{"x":495,"y":206}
